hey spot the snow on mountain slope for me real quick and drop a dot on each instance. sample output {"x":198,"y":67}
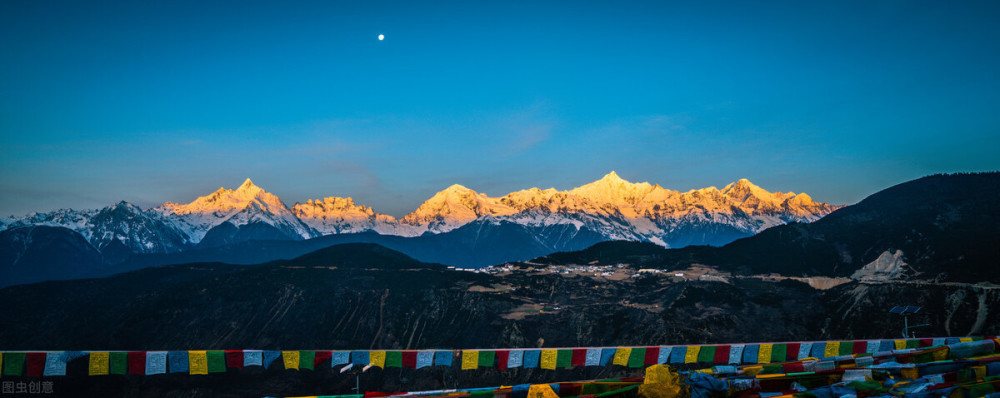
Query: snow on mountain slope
{"x":246,"y":204}
{"x":139,"y":231}
{"x":76,"y":220}
{"x":333,"y":215}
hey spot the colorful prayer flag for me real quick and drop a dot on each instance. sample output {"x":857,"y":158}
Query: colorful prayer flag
{"x":307,"y":360}
{"x":99,"y":363}
{"x":197,"y":362}
{"x":54,"y":365}
{"x":119,"y":362}
{"x":393,"y":359}
{"x":216,"y":361}
{"x":516,"y":359}
{"x":621,"y":356}
{"x":706,"y":354}
{"x":637,"y":357}
{"x":252,"y":358}
{"x":486,"y":358}
{"x":424,"y":359}
{"x":377,"y":358}
{"x":178,"y":361}
{"x":156,"y":362}
{"x":137,"y":362}
{"x":692,"y":354}
{"x":735,"y":354}
{"x":548,"y":359}
{"x":470,"y":359}
{"x":764,"y":353}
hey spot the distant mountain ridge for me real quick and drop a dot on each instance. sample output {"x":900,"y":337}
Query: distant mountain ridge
{"x":611,"y":207}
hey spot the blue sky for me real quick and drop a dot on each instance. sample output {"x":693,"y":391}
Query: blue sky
{"x":168,"y":100}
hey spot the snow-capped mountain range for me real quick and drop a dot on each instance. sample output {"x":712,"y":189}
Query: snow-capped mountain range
{"x":612,"y":207}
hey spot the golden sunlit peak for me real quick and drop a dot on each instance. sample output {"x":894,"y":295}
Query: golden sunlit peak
{"x":247,"y":183}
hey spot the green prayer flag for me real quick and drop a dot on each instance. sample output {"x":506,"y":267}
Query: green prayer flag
{"x":486,"y":358}
{"x":13,"y":363}
{"x":393,"y":359}
{"x":216,"y":361}
{"x":771,"y":369}
{"x":913,"y":343}
{"x":779,"y":352}
{"x":118,"y":363}
{"x":707,"y":354}
{"x":564,"y":359}
{"x":846,"y":347}
{"x":308,"y":358}
{"x":637,"y":358}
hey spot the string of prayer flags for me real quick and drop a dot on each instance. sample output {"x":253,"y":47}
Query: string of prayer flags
{"x":197,"y":362}
{"x":98,"y":363}
{"x":178,"y":361}
{"x":156,"y":362}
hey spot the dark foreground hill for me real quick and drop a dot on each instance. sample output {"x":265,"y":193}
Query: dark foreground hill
{"x":363,"y":296}
{"x":947,"y":228}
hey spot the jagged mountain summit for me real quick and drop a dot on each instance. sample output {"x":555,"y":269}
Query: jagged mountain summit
{"x":610,"y":208}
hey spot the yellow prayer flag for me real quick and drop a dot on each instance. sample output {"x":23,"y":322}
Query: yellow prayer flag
{"x":753,"y":370}
{"x":900,"y":344}
{"x":541,"y":391}
{"x":375,"y":358}
{"x":764,"y":353}
{"x":909,"y":373}
{"x":980,"y":371}
{"x":832,"y":349}
{"x":99,"y":362}
{"x":197,"y":362}
{"x":621,"y":356}
{"x":291,"y":359}
{"x":548,"y":360}
{"x":965,"y":339}
{"x":470,"y":360}
{"x":941,"y":354}
{"x":691,"y":356}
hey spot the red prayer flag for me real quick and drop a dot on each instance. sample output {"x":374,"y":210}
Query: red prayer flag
{"x":571,"y":389}
{"x":234,"y":359}
{"x":35,"y":364}
{"x":652,"y":354}
{"x":321,"y":356}
{"x":792,"y":351}
{"x":410,"y":359}
{"x":926,"y":342}
{"x":860,"y":347}
{"x":793,"y":367}
{"x":721,"y":354}
{"x":137,"y":362}
{"x":579,"y":357}
{"x":502,"y":357}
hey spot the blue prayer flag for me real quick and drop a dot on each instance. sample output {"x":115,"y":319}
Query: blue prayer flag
{"x":340,"y":358}
{"x":678,"y":353}
{"x":516,"y":359}
{"x":818,"y":350}
{"x":663,"y":356}
{"x":750,"y":353}
{"x":531,"y":358}
{"x":267,"y":357}
{"x":156,"y":362}
{"x":735,"y":354}
{"x":607,"y":355}
{"x":54,"y":365}
{"x":178,"y":361}
{"x":443,"y":358}
{"x":425,"y":359}
{"x":253,"y":358}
